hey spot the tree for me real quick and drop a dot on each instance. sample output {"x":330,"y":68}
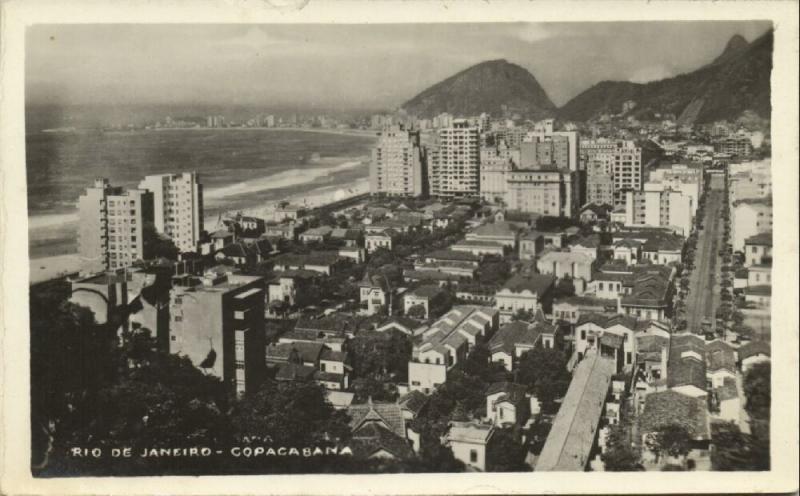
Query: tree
{"x":670,"y":439}
{"x":494,"y":270}
{"x":758,"y":392}
{"x":505,"y":454}
{"x":619,"y":456}
{"x":156,"y":245}
{"x":733,"y":450}
{"x":544,"y":371}
{"x":523,"y":315}
{"x":417,"y":311}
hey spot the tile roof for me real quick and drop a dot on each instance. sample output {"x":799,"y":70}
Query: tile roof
{"x":754,"y":348}
{"x":454,"y":327}
{"x":572,"y":434}
{"x":413,"y":401}
{"x":333,"y":356}
{"x":763,"y":239}
{"x":339,"y":398}
{"x":728,"y":390}
{"x":335,"y":324}
{"x":469,"y":432}
{"x":390,"y":415}
{"x":720,"y":356}
{"x":606,"y":320}
{"x":428,"y":291}
{"x":373,"y":438}
{"x":566,"y":257}
{"x":762,"y":290}
{"x":516,"y":333}
{"x":591,"y":241}
{"x":308,"y":352}
{"x":686,"y":365}
{"x":511,"y":392}
{"x":294,"y":372}
{"x":452,"y":255}
{"x":671,"y":407}
{"x":535,"y":283}
{"x":500,"y":229}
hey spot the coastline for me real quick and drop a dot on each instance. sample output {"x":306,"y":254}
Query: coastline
{"x":362,"y":133}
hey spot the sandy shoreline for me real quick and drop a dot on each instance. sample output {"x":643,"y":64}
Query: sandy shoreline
{"x":341,"y":132}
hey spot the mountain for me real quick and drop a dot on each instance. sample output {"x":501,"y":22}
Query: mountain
{"x":736,"y":81}
{"x":497,"y":87}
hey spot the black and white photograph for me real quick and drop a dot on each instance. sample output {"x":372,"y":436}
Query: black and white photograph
{"x":403,"y":248}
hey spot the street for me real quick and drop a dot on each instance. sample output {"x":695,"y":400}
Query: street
{"x":704,"y":281}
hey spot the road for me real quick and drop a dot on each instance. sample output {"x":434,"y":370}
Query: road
{"x":703,"y":294}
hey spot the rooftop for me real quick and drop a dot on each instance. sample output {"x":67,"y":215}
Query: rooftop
{"x":469,"y":432}
{"x":763,"y":239}
{"x":572,"y":435}
{"x":671,"y":407}
{"x":537,"y":284}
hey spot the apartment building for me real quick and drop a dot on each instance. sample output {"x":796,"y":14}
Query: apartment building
{"x":748,"y":218}
{"x":398,"y":164}
{"x":659,"y":207}
{"x":110,"y":232}
{"x":495,"y":167}
{"x":217,"y":321}
{"x":177,"y":207}
{"x":543,"y":191}
{"x":455,"y":162}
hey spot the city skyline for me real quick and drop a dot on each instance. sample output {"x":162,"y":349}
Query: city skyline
{"x":349,"y":66}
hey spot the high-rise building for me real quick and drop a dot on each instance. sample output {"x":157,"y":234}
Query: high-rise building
{"x":217,"y":321}
{"x":177,"y":207}
{"x":454,"y":164}
{"x":599,"y":180}
{"x":543,"y":191}
{"x":627,"y":170}
{"x":110,"y":233}
{"x":658,"y":206}
{"x":398,"y":164}
{"x":496,"y":164}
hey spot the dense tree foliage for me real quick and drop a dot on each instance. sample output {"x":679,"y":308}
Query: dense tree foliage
{"x":544,"y":371}
{"x":734,"y":450}
{"x":758,"y":393}
{"x":156,"y":245}
{"x":619,"y":455}
{"x":672,"y":440}
{"x":379,"y":355}
{"x":505,"y":453}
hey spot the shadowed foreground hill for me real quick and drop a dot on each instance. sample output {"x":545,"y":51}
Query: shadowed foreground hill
{"x":497,"y":87}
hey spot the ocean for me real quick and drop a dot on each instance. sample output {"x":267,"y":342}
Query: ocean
{"x":239,"y":169}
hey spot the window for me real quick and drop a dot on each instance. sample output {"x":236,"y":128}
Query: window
{"x":583,"y":334}
{"x":473,"y":456}
{"x":415,"y":383}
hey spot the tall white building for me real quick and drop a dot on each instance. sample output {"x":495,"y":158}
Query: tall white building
{"x":657,"y":206}
{"x":544,"y":192}
{"x":455,"y":163}
{"x":397,"y":166}
{"x":177,"y":207}
{"x":496,"y":164}
{"x":110,"y":234}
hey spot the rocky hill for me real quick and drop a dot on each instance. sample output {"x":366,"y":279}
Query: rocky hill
{"x":736,"y":81}
{"x":497,"y":87}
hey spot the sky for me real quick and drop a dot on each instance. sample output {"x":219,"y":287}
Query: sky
{"x":365,"y":66}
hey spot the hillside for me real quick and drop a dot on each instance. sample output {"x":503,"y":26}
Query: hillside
{"x":497,"y":87}
{"x":736,"y":81}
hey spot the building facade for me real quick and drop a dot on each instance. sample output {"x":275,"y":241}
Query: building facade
{"x":658,"y":207}
{"x":398,"y":164}
{"x":455,"y":162}
{"x":110,"y":233}
{"x":543,"y":192}
{"x":177,"y":207}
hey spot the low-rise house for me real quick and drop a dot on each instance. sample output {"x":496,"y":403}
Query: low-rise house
{"x":412,"y":404}
{"x":355,"y":253}
{"x":648,"y":294}
{"x":686,"y":369}
{"x":382,"y":239}
{"x":664,"y":249}
{"x":324,"y":262}
{"x":350,"y":237}
{"x":430,"y":276}
{"x":627,"y":250}
{"x":428,"y":297}
{"x":740,"y":280}
{"x":316,"y":234}
{"x":652,"y":358}
{"x":294,"y":359}
{"x":285,"y":231}
{"x":752,"y":353}
{"x":340,"y":400}
{"x":479,"y":248}
{"x":375,"y":293}
{"x":666,"y":408}
{"x":759,"y":296}
{"x":405,"y":325}
{"x":287,"y":289}
{"x":526,"y":292}
{"x":508,"y":404}
{"x":570,"y":308}
{"x":759,"y":275}
{"x":565,"y":264}
{"x":469,"y":443}
{"x":531,"y":244}
{"x":515,"y":338}
{"x":288,"y":212}
{"x":333,"y":330}
{"x":611,"y":334}
{"x":758,"y":249}
{"x":445,"y":257}
{"x":461,"y":270}
{"x":501,"y":232}
{"x":720,"y":362}
{"x":593,"y":212}
{"x":379,"y":431}
{"x":447,"y":342}
{"x":587,"y":245}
